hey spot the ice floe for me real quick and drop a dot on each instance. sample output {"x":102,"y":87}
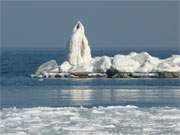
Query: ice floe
{"x":112,"y":120}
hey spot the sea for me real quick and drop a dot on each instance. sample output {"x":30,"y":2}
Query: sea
{"x":84,"y":106}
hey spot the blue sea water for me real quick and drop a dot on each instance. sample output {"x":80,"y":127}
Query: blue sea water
{"x":84,"y":106}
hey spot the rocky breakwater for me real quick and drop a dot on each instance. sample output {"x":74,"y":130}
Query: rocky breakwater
{"x":80,"y":63}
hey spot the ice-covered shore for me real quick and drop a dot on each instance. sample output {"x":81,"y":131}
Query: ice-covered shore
{"x":80,"y":63}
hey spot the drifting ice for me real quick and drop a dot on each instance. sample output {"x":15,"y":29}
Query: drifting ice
{"x":80,"y":61}
{"x":95,"y":120}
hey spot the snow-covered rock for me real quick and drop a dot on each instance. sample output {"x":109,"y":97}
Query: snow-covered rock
{"x":81,"y":63}
{"x":47,"y":67}
{"x":65,"y":66}
{"x":143,"y":62}
{"x":136,"y":62}
{"x":124,"y":63}
{"x":101,"y":64}
{"x":123,"y":66}
{"x":171,"y":64}
{"x":82,"y":68}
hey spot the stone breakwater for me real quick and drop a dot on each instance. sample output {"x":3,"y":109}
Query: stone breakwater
{"x":80,"y":63}
{"x":52,"y":70}
{"x":110,"y":74}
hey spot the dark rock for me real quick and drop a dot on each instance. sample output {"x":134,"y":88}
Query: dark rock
{"x":81,"y":74}
{"x":58,"y":76}
{"x":121,"y":75}
{"x":169,"y":74}
{"x":97,"y":75}
{"x":111,"y":72}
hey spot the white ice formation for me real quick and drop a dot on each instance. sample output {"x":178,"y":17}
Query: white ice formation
{"x":80,"y":60}
{"x":143,"y":62}
{"x":133,"y":62}
{"x":79,"y":50}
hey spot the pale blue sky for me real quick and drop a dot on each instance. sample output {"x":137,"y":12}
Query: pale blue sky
{"x":134,"y":24}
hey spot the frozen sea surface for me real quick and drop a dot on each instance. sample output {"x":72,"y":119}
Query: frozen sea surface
{"x":112,"y":120}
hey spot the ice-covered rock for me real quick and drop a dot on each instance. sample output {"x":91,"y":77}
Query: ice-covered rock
{"x":82,"y":68}
{"x":119,"y":66}
{"x":80,"y":63}
{"x":101,"y":64}
{"x":135,"y":62}
{"x":143,"y":62}
{"x":146,"y":62}
{"x":79,"y":50}
{"x":97,"y":64}
{"x":171,"y":64}
{"x":45,"y":68}
{"x":65,"y":66}
{"x":124,"y":63}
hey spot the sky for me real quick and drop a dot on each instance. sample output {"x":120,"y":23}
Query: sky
{"x":108,"y":24}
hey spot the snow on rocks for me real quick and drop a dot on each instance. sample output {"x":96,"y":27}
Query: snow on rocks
{"x":171,"y":64}
{"x":65,"y":66}
{"x":119,"y":66}
{"x":101,"y":64}
{"x":123,"y":63}
{"x":47,"y":67}
{"x":81,"y":64}
{"x":135,"y":62}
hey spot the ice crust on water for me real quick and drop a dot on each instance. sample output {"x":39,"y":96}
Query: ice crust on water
{"x":112,"y":120}
{"x":80,"y":59}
